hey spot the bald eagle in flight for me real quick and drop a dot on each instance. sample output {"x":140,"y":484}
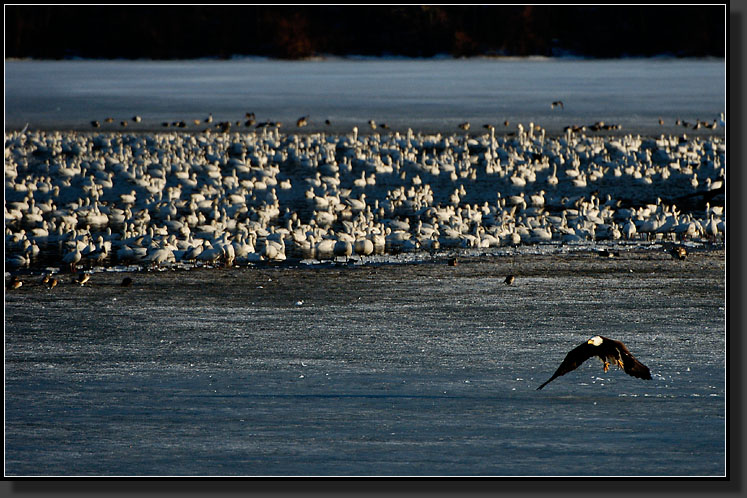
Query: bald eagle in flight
{"x":609,"y":351}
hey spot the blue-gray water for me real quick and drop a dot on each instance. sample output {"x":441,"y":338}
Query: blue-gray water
{"x":427,"y":95}
{"x":387,"y":369}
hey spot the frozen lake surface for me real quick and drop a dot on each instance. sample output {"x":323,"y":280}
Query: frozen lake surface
{"x":427,"y":95}
{"x":404,"y":368}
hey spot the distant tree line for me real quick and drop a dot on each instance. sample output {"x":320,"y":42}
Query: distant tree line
{"x":292,"y":32}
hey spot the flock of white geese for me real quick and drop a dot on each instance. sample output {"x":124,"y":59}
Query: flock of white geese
{"x":94,"y":199}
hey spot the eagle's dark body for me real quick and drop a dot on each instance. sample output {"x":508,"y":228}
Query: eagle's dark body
{"x":609,"y":351}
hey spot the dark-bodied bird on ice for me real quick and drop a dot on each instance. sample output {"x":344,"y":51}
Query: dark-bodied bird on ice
{"x":609,"y":351}
{"x":678,"y":252}
{"x":15,"y":282}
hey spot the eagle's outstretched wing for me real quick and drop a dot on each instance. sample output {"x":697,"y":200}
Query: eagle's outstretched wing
{"x":631,"y":366}
{"x":572,"y":360}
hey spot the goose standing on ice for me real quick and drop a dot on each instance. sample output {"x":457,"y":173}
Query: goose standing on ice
{"x":325,"y":249}
{"x":629,"y":229}
{"x":363,"y":247}
{"x":343,"y":248}
{"x":274,"y":250}
{"x":711,"y":228}
{"x":210,"y":252}
{"x":160,"y":254}
{"x":72,"y":258}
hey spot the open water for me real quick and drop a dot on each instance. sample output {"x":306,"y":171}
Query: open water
{"x":399,"y":368}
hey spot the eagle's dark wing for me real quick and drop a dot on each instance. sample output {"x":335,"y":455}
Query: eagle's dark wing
{"x":630,"y":364}
{"x":572,"y":360}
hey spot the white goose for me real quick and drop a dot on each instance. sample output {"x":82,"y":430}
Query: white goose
{"x":210,"y":253}
{"x":160,"y":254}
{"x":274,"y":250}
{"x":364,"y":247}
{"x":325,"y":249}
{"x":343,"y":248}
{"x":553,"y":179}
{"x":629,"y":229}
{"x":72,"y":258}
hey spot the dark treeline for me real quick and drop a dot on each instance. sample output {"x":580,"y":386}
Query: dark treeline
{"x":182,"y":32}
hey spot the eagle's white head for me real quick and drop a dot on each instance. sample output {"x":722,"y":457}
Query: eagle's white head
{"x":596,"y":340}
